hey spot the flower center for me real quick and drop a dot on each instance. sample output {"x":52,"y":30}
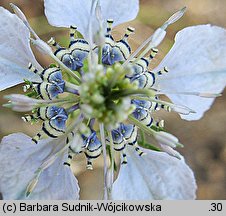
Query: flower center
{"x":104,"y":94}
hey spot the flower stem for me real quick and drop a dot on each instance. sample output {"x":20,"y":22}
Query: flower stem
{"x":100,"y":55}
{"x":142,"y":135}
{"x":102,"y":135}
{"x":111,"y":169}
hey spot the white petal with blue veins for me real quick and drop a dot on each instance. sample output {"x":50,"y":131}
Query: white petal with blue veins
{"x":196,"y":63}
{"x":153,"y":176}
{"x":20,"y":158}
{"x":15,"y":51}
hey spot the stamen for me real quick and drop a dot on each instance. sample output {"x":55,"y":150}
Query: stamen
{"x":166,"y":139}
{"x":170,"y":151}
{"x":139,"y":151}
{"x":109,"y":26}
{"x":160,"y":124}
{"x":209,"y":95}
{"x":129,"y":31}
{"x":21,"y":15}
{"x":89,"y":165}
{"x":199,"y":94}
{"x":176,"y":16}
{"x":26,"y":87}
{"x":153,"y":53}
{"x":91,"y":123}
{"x":73,"y":108}
{"x":98,"y":14}
{"x":27,"y":118}
{"x":42,"y":46}
{"x":94,"y":4}
{"x":33,"y":69}
{"x":166,"y":107}
{"x":124,"y":158}
{"x":53,"y":127}
{"x":163,"y":71}
{"x":69,"y":159}
{"x":157,"y":37}
{"x":122,"y":48}
{"x":73,"y":33}
{"x":52,"y":42}
{"x":174,"y":107}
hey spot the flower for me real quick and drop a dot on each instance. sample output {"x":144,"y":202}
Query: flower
{"x":15,"y":51}
{"x":108,"y":95}
{"x":170,"y":178}
{"x":21,"y":159}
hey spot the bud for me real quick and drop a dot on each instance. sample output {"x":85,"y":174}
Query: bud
{"x":21,"y":15}
{"x":209,"y":95}
{"x":170,"y":151}
{"x":181,"y":109}
{"x":99,"y":37}
{"x":21,"y":103}
{"x":176,"y":16}
{"x":167,"y":139}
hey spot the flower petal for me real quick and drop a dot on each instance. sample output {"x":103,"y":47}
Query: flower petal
{"x":77,"y":12}
{"x":15,"y":51}
{"x":196,"y":63}
{"x":155,"y":175}
{"x":20,"y":158}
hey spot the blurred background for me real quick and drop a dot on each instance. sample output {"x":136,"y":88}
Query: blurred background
{"x":204,"y":140}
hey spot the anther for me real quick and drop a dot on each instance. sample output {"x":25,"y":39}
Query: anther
{"x":32,"y":68}
{"x":36,"y":138}
{"x":153,"y":53}
{"x":129,"y":31}
{"x":164,"y":70}
{"x":166,"y":107}
{"x":109,"y":26}
{"x":67,"y":164}
{"x":52,"y":42}
{"x":176,"y":16}
{"x":26,"y":87}
{"x":89,"y":165}
{"x":124,"y":161}
{"x":160,"y":124}
{"x":139,"y":151}
{"x":27,"y":118}
{"x":73,"y":33}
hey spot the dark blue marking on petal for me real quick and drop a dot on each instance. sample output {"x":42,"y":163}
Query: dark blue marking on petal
{"x":92,"y":142}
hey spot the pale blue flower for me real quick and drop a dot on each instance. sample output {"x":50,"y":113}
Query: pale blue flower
{"x":197,"y":68}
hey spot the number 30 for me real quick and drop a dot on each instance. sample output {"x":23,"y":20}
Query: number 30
{"x":216,"y":207}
